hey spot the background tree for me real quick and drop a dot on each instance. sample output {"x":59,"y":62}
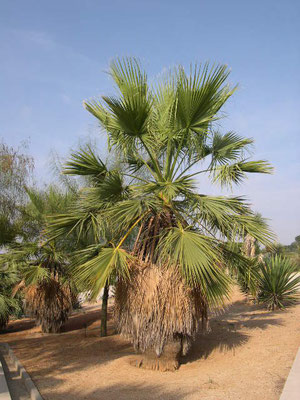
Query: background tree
{"x":15,"y":174}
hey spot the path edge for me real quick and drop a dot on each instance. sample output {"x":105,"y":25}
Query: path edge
{"x":28,"y":382}
{"x":291,"y":389}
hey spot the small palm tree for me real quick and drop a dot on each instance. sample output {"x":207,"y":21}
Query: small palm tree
{"x":49,"y":292}
{"x":47,"y":288}
{"x":170,"y":246}
{"x":279,"y":283}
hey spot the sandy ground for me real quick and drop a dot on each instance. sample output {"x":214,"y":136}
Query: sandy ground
{"x":247,"y":355}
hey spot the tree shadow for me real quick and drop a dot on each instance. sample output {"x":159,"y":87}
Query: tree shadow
{"x":79,"y":319}
{"x":129,"y":392}
{"x":228,"y":330}
{"x":82,"y":319}
{"x":19,"y":325}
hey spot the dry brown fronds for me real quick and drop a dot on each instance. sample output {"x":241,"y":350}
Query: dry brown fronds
{"x":50,"y":303}
{"x":155,"y":307}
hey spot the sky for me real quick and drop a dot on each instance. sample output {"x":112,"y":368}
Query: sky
{"x":55,"y":54}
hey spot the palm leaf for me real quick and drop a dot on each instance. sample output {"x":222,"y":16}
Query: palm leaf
{"x":199,"y":260}
{"x":85,"y":162}
{"x":95,"y":272}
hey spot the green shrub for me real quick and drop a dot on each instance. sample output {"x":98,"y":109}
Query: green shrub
{"x":9,"y":305}
{"x":279,"y":283}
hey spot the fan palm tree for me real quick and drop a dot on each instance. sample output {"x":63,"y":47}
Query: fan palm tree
{"x":170,"y":246}
{"x":48,"y":289}
{"x":82,"y":221}
{"x":49,"y":292}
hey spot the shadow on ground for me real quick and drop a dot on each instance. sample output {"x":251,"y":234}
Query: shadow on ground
{"x":136,"y":392}
{"x":229,"y":329}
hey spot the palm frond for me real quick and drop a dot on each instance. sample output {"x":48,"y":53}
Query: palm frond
{"x":200,"y":96}
{"x":199,"y":260}
{"x":95,"y":272}
{"x":86,"y":162}
{"x":228,"y":147}
{"x":229,"y":174}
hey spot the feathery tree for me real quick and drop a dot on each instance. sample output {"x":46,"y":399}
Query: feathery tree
{"x":15,"y":173}
{"x":170,"y":245}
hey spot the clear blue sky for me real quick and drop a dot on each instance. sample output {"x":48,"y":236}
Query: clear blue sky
{"x":54,"y":54}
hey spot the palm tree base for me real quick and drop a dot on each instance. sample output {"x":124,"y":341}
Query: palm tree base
{"x":167,"y":361}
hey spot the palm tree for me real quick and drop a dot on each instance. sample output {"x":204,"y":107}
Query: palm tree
{"x":47,"y":287}
{"x":170,"y":246}
{"x":49,"y":291}
{"x":81,"y":220}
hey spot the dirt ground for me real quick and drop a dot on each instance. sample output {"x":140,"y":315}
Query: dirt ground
{"x":247,"y":355}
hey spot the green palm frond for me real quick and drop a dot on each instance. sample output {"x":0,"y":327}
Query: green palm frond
{"x":255,"y":226}
{"x":37,"y":200}
{"x":122,"y":214}
{"x":228,"y":147}
{"x":128,"y":115}
{"x":199,"y":260}
{"x":8,"y":306}
{"x":86,"y":162}
{"x":35,"y":274}
{"x":229,"y":174}
{"x":200,"y":95}
{"x":169,"y":190}
{"x":129,"y":77}
{"x":110,"y":190}
{"x":96,"y":271}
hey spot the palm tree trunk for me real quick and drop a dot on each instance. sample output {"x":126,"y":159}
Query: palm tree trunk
{"x":169,"y":360}
{"x":249,"y":246}
{"x":103,"y":328}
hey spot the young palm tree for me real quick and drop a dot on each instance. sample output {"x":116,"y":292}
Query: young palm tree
{"x":170,"y":246}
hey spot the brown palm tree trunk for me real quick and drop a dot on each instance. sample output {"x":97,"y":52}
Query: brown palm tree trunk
{"x":249,"y":246}
{"x":103,"y":328}
{"x":169,"y":360}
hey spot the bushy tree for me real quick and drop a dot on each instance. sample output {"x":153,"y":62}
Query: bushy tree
{"x":8,"y":303}
{"x":278,"y":283}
